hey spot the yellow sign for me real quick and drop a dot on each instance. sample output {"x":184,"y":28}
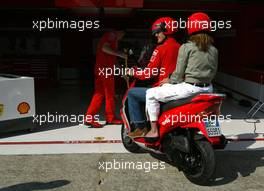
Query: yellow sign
{"x":99,"y":138}
{"x":1,"y":109}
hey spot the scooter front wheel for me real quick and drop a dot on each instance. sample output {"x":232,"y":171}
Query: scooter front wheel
{"x":128,"y":143}
{"x":204,"y":163}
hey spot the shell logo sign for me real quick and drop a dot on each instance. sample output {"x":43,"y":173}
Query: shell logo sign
{"x":23,"y":108}
{"x":1,"y":109}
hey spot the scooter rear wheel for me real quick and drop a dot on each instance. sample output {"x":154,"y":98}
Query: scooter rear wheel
{"x":128,"y":143}
{"x":204,"y":167}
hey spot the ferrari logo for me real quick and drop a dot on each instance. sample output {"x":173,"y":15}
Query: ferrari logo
{"x":1,"y":109}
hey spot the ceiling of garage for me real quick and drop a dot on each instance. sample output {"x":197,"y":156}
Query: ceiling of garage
{"x":108,"y":3}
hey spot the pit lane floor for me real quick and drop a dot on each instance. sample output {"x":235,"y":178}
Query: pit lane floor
{"x":235,"y":171}
{"x":71,"y":158}
{"x":32,"y":162}
{"x":77,"y":139}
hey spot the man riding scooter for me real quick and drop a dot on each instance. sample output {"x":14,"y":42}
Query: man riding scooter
{"x":162,"y":64}
{"x":189,"y":129}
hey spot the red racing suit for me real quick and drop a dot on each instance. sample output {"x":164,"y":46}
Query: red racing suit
{"x":104,"y":85}
{"x":162,"y":62}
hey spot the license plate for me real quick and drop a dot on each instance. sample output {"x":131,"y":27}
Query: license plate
{"x":213,"y":128}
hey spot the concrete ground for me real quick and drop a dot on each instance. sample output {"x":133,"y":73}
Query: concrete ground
{"x":235,"y":171}
{"x":30,"y":167}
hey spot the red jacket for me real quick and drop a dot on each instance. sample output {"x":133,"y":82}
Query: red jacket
{"x":162,"y":62}
{"x":104,"y":60}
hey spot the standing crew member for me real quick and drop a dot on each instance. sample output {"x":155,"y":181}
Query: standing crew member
{"x":106,"y":55}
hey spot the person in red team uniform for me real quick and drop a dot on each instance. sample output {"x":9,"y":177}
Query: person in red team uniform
{"x":106,"y":55}
{"x":162,"y":63}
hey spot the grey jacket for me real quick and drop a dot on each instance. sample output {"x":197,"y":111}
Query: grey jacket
{"x":195,"y":66}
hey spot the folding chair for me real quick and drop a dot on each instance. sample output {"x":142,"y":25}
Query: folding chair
{"x":260,"y":102}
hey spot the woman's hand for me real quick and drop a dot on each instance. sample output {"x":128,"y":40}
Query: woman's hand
{"x":164,"y":81}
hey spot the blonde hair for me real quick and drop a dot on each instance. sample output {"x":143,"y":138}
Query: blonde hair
{"x":202,"y":41}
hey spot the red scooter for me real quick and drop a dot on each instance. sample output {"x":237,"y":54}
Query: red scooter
{"x":189,"y":132}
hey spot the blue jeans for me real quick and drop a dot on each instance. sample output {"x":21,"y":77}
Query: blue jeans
{"x":137,"y":98}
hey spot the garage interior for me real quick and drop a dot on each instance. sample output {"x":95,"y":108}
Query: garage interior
{"x":62,"y":61}
{"x":67,"y":156}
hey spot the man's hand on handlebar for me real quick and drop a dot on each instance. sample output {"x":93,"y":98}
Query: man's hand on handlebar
{"x":130,"y":71}
{"x":123,"y":55}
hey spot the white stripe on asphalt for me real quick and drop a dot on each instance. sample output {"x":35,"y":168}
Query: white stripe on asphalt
{"x":236,"y":129}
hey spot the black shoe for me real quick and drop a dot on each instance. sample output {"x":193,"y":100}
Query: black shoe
{"x":114,"y":122}
{"x":93,"y":124}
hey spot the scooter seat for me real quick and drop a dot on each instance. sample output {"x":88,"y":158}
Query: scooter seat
{"x":175,"y":103}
